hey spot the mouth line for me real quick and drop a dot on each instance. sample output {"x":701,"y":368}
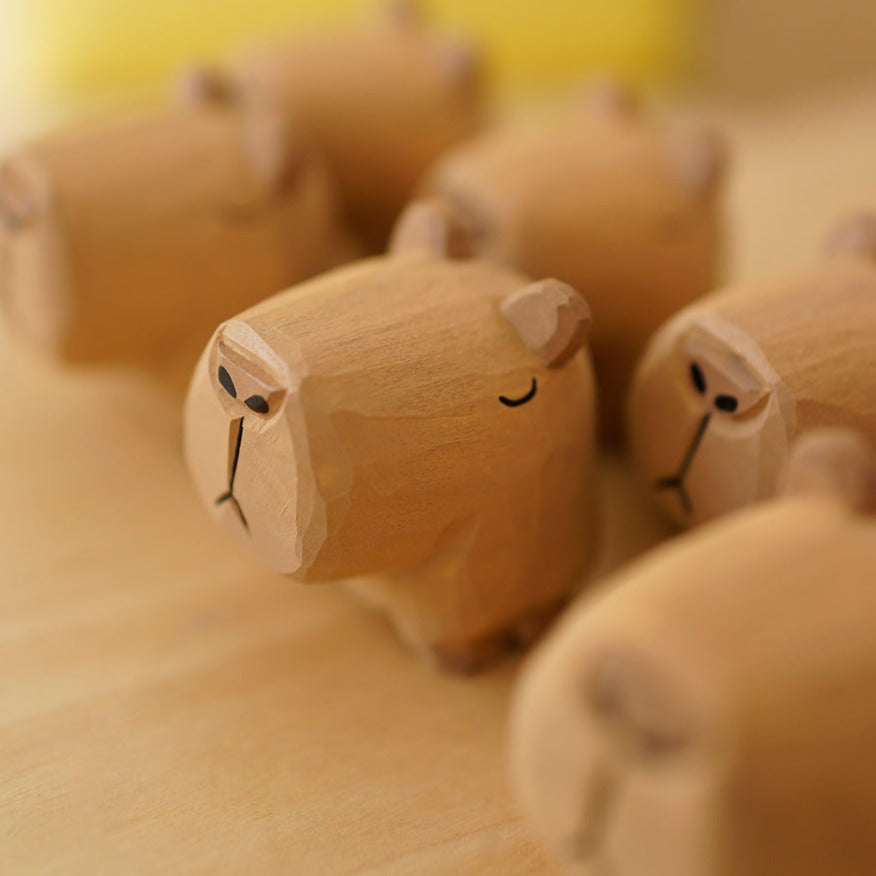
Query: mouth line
{"x":597,"y":813}
{"x":676,"y":481}
{"x":228,"y":495}
{"x":516,"y":402}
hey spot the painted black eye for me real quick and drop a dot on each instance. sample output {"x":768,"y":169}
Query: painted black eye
{"x":257,"y":403}
{"x":226,"y":381}
{"x":697,"y":378}
{"x":726,"y":403}
{"x":516,"y":402}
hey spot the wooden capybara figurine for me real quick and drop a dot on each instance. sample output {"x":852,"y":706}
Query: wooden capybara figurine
{"x":425,"y":422}
{"x":605,"y":199}
{"x":725,"y":386}
{"x":130,"y":237}
{"x":712,"y":711}
{"x":381,"y":100}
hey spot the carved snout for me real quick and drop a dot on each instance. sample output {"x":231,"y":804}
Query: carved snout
{"x":243,"y":375}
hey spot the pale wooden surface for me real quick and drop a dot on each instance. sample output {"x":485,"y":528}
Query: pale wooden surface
{"x":167,"y":706}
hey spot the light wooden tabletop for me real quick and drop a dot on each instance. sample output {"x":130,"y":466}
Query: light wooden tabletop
{"x":167,"y":706}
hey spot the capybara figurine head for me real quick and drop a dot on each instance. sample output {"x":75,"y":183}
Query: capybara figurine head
{"x":603,"y":197}
{"x":725,"y":385}
{"x":420,"y":419}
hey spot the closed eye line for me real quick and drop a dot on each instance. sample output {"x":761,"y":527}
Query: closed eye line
{"x":516,"y":402}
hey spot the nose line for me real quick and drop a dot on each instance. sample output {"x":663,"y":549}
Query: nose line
{"x":235,"y":440}
{"x":676,"y":481}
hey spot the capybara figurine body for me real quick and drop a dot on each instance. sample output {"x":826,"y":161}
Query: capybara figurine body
{"x":421,"y":421}
{"x":381,"y":101}
{"x":129,"y":238}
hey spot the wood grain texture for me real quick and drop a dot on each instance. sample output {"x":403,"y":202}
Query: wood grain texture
{"x":424,"y":421}
{"x":166,"y":707}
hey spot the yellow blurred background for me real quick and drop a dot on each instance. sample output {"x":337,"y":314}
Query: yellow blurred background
{"x":63,"y":50}
{"x":59,"y":53}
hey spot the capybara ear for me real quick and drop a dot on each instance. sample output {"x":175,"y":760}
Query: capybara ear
{"x":205,"y":85}
{"x":271,"y":148}
{"x":404,"y":13}
{"x":837,"y":462}
{"x":636,"y":708}
{"x":855,"y":234}
{"x":24,"y":193}
{"x":698,"y":159}
{"x":461,"y":62}
{"x":610,"y":96}
{"x":432,"y":226}
{"x":552,"y":319}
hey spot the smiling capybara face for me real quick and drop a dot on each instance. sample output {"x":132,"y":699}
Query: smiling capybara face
{"x":410,"y":417}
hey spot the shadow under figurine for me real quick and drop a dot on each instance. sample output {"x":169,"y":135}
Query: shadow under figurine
{"x":724,"y":387}
{"x":424,"y":421}
{"x":712,"y":711}
{"x":601,"y":196}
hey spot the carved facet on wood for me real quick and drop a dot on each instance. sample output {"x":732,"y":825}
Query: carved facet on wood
{"x":131,"y":237}
{"x":727,"y":384}
{"x":605,"y":199}
{"x":389,"y":421}
{"x":712,"y":709}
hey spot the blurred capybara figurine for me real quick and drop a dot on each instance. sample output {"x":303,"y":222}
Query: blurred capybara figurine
{"x":381,"y":100}
{"x":603,"y":198}
{"x":712,"y":711}
{"x":423,"y":421}
{"x":130,"y":238}
{"x":725,"y":386}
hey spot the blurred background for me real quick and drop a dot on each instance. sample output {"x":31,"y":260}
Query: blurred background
{"x":58,"y":53}
{"x":791,"y":82}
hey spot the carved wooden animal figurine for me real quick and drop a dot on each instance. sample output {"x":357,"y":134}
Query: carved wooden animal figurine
{"x":130,"y":237}
{"x":382,"y":101}
{"x":726,"y":385}
{"x":713,"y":710}
{"x":605,"y":199}
{"x":422,"y":421}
